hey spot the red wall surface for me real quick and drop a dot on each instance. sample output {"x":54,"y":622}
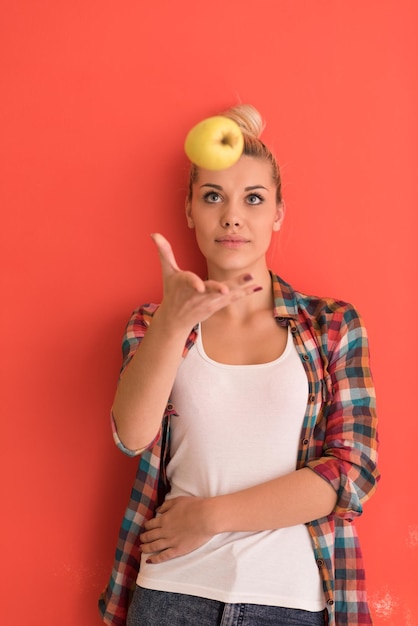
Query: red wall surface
{"x":96,"y":99}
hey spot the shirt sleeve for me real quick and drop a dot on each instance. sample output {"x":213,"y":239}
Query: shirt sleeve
{"x":349,"y":458}
{"x":134,"y":333}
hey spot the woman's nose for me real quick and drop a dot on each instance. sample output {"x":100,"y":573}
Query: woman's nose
{"x":226,"y":223}
{"x":231,"y":218}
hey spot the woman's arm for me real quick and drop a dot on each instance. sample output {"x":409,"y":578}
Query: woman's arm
{"x":338,"y":482}
{"x":146,"y":383}
{"x":350,"y":445}
{"x":295,"y":498}
{"x":186,"y":523}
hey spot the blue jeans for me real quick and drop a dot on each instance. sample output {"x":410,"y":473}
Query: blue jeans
{"x":159,"y":608}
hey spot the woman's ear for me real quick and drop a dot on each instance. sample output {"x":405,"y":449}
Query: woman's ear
{"x":278,"y":220}
{"x":190,"y":222}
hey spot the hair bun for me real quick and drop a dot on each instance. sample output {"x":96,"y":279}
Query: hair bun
{"x":247,"y":117}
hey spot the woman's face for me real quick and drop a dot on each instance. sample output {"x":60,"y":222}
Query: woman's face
{"x":234,"y":213}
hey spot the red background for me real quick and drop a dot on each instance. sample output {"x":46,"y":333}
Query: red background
{"x":96,"y":99}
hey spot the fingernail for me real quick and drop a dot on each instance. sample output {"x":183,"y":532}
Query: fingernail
{"x":247,"y":277}
{"x":257,"y":288}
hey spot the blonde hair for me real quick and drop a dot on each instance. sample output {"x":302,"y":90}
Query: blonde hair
{"x":251,"y":123}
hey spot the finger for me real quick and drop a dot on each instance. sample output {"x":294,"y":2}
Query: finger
{"x":163,"y":556}
{"x":245,"y":291}
{"x":244,"y":280}
{"x":152,"y":524}
{"x":233,"y":291}
{"x":166,"y":506}
{"x":213,"y":286}
{"x":151,"y":535}
{"x":165,"y":251}
{"x":195,"y":282}
{"x":155,"y":546}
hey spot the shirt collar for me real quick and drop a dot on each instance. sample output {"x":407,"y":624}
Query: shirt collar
{"x":284,"y":297}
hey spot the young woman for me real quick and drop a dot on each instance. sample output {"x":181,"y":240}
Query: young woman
{"x":251,"y":407}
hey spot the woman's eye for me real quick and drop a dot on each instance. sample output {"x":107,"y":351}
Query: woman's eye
{"x":212,"y":196}
{"x":254,"y":199}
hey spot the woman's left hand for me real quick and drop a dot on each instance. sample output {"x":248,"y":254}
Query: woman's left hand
{"x":180,"y":527}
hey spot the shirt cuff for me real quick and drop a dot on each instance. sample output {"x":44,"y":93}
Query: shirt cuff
{"x":119,"y":443}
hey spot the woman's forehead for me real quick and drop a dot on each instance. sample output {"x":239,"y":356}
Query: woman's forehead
{"x":248,"y":171}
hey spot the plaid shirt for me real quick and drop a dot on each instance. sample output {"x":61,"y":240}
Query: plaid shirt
{"x":338,"y":441}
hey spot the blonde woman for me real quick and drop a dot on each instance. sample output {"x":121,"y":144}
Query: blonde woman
{"x":251,"y":407}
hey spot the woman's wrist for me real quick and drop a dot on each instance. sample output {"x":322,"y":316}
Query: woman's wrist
{"x":172,"y":326}
{"x":213,"y":515}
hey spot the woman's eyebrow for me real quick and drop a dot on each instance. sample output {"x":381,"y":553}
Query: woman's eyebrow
{"x":250,"y":188}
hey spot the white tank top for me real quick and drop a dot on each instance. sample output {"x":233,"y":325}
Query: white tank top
{"x":239,"y":426}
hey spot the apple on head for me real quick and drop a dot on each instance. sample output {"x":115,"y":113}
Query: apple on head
{"x":216,"y":143}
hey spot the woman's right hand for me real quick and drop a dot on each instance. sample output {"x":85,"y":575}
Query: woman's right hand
{"x":187,"y":298}
{"x":146,"y":383}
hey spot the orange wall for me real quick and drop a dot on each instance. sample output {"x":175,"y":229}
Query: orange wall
{"x":96,"y":99}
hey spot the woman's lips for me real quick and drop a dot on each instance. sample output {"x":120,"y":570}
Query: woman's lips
{"x":232,"y":242}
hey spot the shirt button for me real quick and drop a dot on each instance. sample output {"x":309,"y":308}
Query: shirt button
{"x":312,"y":398}
{"x":294,"y":330}
{"x":305,"y":442}
{"x":330,"y":602}
{"x":305,"y":357}
{"x":320,"y":563}
{"x":169,"y":407}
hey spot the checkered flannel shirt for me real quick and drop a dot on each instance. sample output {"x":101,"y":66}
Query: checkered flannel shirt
{"x":338,"y":441}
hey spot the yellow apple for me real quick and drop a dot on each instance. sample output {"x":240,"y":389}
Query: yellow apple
{"x":215,"y":143}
